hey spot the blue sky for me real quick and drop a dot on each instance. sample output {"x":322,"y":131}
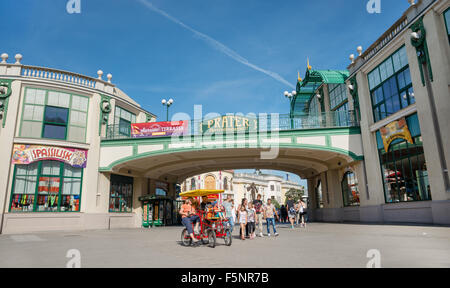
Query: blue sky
{"x":152,"y":57}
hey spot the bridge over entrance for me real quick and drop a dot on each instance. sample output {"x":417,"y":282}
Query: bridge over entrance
{"x":322,"y":147}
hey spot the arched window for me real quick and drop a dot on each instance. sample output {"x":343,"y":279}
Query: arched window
{"x":193,"y":186}
{"x":225,"y":183}
{"x":350,"y":191}
{"x":319,"y":196}
{"x":210,"y":182}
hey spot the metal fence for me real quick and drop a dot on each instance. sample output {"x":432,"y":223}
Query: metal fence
{"x":266,"y":123}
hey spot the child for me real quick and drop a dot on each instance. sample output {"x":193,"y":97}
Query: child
{"x":242,"y":218}
{"x":251,"y":220}
{"x":218,"y":209}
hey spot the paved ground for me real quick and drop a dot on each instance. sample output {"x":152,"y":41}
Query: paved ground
{"x":319,"y":245}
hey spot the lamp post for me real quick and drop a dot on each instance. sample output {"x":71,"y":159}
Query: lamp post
{"x":167,"y":104}
{"x":290,"y":96}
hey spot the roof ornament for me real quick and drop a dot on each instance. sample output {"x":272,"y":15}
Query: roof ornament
{"x":298,"y":77}
{"x":309,"y":66}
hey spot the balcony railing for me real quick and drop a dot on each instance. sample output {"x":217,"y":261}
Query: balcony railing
{"x":281,"y":122}
{"x":58,"y":75}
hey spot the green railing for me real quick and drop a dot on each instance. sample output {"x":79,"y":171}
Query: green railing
{"x":267,"y":123}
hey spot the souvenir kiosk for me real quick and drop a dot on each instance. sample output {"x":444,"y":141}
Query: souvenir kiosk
{"x":158,"y":211}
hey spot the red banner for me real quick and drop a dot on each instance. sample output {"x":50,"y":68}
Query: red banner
{"x":159,"y":129}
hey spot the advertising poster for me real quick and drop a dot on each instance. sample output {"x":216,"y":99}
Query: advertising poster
{"x":159,"y":129}
{"x":27,"y":154}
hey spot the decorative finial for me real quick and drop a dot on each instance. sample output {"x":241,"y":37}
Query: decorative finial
{"x":309,"y":66}
{"x":352,"y":58}
{"x":100,"y":74}
{"x":359,"y":49}
{"x":109,"y":76}
{"x":298,"y":77}
{"x":18,"y":58}
{"x":4,"y":57}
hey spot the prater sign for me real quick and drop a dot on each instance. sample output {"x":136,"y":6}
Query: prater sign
{"x":229,"y":123}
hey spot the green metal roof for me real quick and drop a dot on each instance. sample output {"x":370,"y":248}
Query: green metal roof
{"x":327,"y":76}
{"x":313,"y":80}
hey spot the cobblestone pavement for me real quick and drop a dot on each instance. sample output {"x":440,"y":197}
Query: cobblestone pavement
{"x":319,"y":245}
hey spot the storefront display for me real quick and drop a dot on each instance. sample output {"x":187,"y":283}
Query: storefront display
{"x":403,"y":162}
{"x":158,"y":211}
{"x":46,"y":186}
{"x":121,"y":194}
{"x":350,"y":192}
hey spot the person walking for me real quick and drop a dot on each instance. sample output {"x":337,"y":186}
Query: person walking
{"x":303,"y":213}
{"x":242,"y":219}
{"x":269,"y":213}
{"x":283,"y":214}
{"x":244,"y":204}
{"x":251,"y":220}
{"x":228,"y":205}
{"x":290,"y":206}
{"x":258,"y":205}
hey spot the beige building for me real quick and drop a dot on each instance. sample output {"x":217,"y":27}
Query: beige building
{"x":239,"y":185}
{"x":399,"y":91}
{"x":372,"y":141}
{"x":51,"y":125}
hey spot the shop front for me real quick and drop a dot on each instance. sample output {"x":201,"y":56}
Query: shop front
{"x":47,"y":178}
{"x":403,"y":161}
{"x":158,"y":211}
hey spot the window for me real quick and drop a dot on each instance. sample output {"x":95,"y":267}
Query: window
{"x":405,"y":172}
{"x":390,"y":86}
{"x":342,"y":117}
{"x":350,"y":191}
{"x":319,"y":195}
{"x":55,"y":122}
{"x":447,"y":22}
{"x":46,"y":186}
{"x":121,"y":195}
{"x":338,"y":94}
{"x":193,"y":186}
{"x":123,"y":120}
{"x":54,"y":115}
{"x":225,"y":183}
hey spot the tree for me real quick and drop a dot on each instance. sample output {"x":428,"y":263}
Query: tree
{"x":296,"y":194}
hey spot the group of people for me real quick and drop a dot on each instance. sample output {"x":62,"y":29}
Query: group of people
{"x":294,"y":212}
{"x":249,"y":215}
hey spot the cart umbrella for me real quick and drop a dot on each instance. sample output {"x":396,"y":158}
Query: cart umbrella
{"x":201,"y":193}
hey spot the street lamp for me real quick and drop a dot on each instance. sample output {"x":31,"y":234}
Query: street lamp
{"x":167,"y":104}
{"x":290,"y":96}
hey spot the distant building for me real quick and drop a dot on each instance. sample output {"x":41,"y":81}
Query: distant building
{"x":241,"y":185}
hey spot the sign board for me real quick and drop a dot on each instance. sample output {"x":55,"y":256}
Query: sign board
{"x":395,"y":130}
{"x":229,"y":123}
{"x":27,"y":154}
{"x":159,"y":129}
